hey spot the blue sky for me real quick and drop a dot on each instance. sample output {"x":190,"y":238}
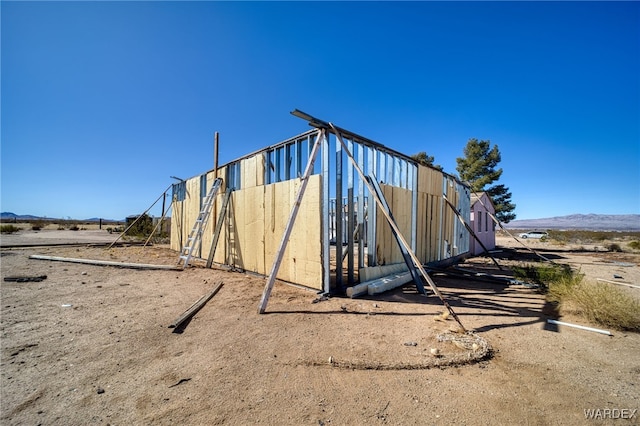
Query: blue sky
{"x":102,"y":102}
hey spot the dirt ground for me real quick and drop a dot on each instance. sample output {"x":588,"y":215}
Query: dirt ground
{"x":91,"y":345}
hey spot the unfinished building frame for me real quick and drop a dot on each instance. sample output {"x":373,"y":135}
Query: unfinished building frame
{"x":339,"y":232}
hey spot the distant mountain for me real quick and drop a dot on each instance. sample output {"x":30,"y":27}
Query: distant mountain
{"x":11,"y":216}
{"x":593,"y":222}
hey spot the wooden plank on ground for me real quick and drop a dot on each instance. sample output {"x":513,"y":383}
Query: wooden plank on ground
{"x":195,"y":307}
{"x":105,"y":263}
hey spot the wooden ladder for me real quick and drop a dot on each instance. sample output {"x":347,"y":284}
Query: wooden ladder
{"x":195,"y":236}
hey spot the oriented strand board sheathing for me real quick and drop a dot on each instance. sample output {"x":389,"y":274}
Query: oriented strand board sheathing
{"x":254,"y":224}
{"x":422,"y":227}
{"x":302,"y":261}
{"x":399,"y":200}
{"x":430,"y":216}
{"x":252,"y":171}
{"x":178,"y":234}
{"x":250,"y":227}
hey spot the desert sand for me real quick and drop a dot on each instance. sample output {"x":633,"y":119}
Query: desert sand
{"x":91,"y":345}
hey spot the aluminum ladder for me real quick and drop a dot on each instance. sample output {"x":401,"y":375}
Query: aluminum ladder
{"x":195,"y":236}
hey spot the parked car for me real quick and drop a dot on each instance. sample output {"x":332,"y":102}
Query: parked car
{"x":533,"y":234}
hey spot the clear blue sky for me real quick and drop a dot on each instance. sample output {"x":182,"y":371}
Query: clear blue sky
{"x":102,"y":102}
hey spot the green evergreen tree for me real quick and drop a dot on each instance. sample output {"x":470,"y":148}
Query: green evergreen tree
{"x":478,"y":168}
{"x":426,"y":160}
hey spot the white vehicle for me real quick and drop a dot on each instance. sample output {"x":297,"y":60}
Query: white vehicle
{"x":533,"y":234}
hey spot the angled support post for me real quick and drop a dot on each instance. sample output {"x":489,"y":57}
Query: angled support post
{"x":292,"y":218}
{"x":379,"y":195}
{"x":139,"y":217}
{"x":466,"y":225}
{"x":495,"y":219}
{"x":394,"y":226}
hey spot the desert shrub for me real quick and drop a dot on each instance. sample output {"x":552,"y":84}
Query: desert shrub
{"x":38,"y":225}
{"x":74,"y":227}
{"x":8,"y":229}
{"x":634,"y":245}
{"x":599,"y":303}
{"x":614,"y":247}
{"x":542,"y":274}
{"x":141,"y":228}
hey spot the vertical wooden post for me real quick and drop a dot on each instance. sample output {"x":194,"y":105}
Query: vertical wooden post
{"x":216,"y":140}
{"x":215,"y":154}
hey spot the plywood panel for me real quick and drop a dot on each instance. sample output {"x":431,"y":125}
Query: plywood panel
{"x":301,"y":261}
{"x":252,"y":229}
{"x":177,"y":225}
{"x":192,"y":208}
{"x":387,"y":248}
{"x":402,"y":215}
{"x":305,"y":265}
{"x":430,"y":183}
{"x":248,"y":172}
{"x":383,"y":230}
{"x":252,"y":171}
{"x":422,"y":227}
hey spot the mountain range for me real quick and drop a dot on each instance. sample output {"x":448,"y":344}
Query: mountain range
{"x":592,"y":222}
{"x":12,"y":216}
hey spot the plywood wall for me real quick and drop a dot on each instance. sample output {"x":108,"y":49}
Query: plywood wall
{"x":387,"y":248}
{"x":437,"y":225}
{"x":254,"y":225}
{"x":429,"y":214}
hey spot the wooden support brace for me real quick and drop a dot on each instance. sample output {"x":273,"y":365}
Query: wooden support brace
{"x":195,"y":307}
{"x":495,"y":219}
{"x":287,"y":232}
{"x":473,"y":234}
{"x":159,"y":224}
{"x":139,"y":217}
{"x":393,"y":225}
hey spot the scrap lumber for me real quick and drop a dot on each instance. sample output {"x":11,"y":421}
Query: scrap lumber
{"x":105,"y":263}
{"x":196,"y":307}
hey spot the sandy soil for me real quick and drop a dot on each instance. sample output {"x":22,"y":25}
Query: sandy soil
{"x":91,"y":345}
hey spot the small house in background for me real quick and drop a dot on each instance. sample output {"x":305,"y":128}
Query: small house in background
{"x":483,"y":226}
